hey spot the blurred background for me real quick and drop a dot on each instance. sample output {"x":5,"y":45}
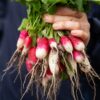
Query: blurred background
{"x":3,"y":10}
{"x":11,"y":15}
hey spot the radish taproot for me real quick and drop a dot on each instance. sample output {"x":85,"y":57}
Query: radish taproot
{"x":54,"y":61}
{"x":27,"y":45}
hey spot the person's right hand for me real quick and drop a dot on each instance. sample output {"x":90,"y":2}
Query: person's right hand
{"x":67,"y":19}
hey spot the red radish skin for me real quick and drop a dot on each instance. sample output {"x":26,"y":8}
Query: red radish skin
{"x":23,"y":34}
{"x":48,"y":73}
{"x":29,"y":65}
{"x":32,"y":54}
{"x":42,"y":48}
{"x":52,"y":43}
{"x":77,"y":43}
{"x":78,"y":56}
{"x":66,"y":43}
{"x":27,"y":44}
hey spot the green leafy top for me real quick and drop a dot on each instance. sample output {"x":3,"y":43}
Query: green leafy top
{"x":80,"y":5}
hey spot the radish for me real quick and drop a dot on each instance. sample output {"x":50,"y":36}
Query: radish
{"x":27,"y":45}
{"x":21,"y":39}
{"x":42,"y":48}
{"x":78,"y":56}
{"x":52,"y":43}
{"x":66,"y":43}
{"x":77,"y":43}
{"x":32,"y":54}
{"x":29,"y":65}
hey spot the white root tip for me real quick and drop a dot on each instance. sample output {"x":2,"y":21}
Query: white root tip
{"x":86,"y":66}
{"x":53,"y":45}
{"x":68,"y":47}
{"x":80,"y":46}
{"x":54,"y":62}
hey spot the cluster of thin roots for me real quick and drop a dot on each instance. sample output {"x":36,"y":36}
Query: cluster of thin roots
{"x":38,"y":72}
{"x":13,"y":61}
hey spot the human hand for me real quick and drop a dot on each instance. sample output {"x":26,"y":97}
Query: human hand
{"x":67,"y":19}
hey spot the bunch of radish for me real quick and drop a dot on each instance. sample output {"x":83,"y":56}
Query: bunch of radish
{"x":50,"y":57}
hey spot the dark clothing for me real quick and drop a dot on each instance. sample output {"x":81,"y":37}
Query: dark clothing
{"x":10,"y":90}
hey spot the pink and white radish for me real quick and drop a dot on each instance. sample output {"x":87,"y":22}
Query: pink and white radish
{"x":77,"y":43}
{"x":27,"y":45}
{"x":42,"y":48}
{"x":66,"y":43}
{"x":52,"y":43}
{"x":78,"y":56}
{"x":21,"y":39}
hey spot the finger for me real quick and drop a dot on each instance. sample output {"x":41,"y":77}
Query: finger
{"x":68,"y":12}
{"x":55,"y":18}
{"x":66,"y":25}
{"x":81,"y":34}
